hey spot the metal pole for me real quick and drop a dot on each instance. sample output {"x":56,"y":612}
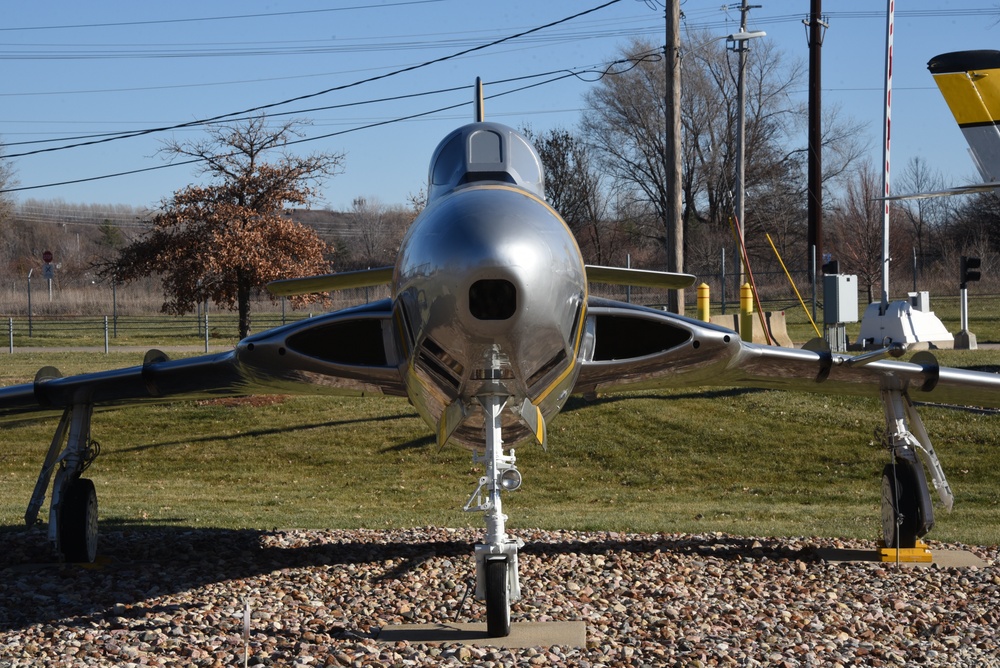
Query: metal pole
{"x":628,"y":288}
{"x":890,"y":10}
{"x":815,"y":178}
{"x":10,"y":330}
{"x":723,"y":281}
{"x":30,"y":328}
{"x":741,"y":88}
{"x":206,"y":328}
{"x":964,"y":315}
{"x":812,"y":272}
{"x":105,"y":335}
{"x":673,"y":211}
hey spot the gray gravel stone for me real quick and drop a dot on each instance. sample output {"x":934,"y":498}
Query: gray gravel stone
{"x":163,"y":597}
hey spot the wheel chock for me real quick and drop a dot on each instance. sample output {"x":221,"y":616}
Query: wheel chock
{"x":920,"y":554}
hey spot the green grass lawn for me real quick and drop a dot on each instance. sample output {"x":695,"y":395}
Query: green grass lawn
{"x":740,"y":461}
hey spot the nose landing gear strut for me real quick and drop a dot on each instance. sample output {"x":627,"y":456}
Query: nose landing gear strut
{"x":496,"y":559}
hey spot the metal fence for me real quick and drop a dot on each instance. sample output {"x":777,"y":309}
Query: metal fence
{"x":135,"y":326}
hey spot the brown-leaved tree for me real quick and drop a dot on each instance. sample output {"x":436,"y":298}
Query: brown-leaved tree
{"x":223,"y":241}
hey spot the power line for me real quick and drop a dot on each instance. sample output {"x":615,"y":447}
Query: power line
{"x":310,"y":139}
{"x":561,"y":74}
{"x":299,"y":98}
{"x":555,"y":76}
{"x":120,"y":24}
{"x":394,"y":98}
{"x":62,"y":50}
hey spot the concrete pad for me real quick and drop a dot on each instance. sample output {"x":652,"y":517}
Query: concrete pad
{"x":943,"y":558}
{"x":522,"y":634}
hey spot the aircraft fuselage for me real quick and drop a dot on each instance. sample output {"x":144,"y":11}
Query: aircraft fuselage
{"x":472,"y":314}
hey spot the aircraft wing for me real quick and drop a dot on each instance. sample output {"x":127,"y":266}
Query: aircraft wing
{"x":345,"y":280}
{"x":635,"y":348}
{"x":949,"y":192}
{"x":349,"y":352}
{"x":642,"y":278}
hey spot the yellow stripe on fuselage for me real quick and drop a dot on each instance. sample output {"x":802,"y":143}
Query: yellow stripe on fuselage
{"x":973,"y":97}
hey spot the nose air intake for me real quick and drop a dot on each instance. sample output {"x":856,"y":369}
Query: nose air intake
{"x":492,"y":299}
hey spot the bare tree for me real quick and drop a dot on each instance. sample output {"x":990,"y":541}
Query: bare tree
{"x":376,"y":231}
{"x":974,"y":223}
{"x":924,"y":215}
{"x":574,"y":188}
{"x":7,"y":180}
{"x":858,"y":223}
{"x":624,"y":122}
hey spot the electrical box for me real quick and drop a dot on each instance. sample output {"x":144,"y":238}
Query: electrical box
{"x":840,"y":298}
{"x":920,"y":301}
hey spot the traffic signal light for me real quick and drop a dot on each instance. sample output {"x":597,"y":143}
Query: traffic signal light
{"x":969,"y":270}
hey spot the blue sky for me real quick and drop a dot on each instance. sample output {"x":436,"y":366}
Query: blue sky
{"x":77,"y":69}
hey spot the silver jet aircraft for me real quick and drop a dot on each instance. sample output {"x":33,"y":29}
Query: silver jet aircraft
{"x":489,"y":330}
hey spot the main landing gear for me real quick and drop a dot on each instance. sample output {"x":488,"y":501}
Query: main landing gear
{"x":496,"y":559}
{"x":73,"y":509}
{"x":907,"y":512}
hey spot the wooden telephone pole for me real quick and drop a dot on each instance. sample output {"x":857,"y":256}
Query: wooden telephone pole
{"x":672,"y":153}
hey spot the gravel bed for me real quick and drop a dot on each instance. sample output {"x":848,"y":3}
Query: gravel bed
{"x":164,"y":597}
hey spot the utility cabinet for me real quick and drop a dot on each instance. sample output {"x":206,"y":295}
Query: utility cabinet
{"x":840,"y":298}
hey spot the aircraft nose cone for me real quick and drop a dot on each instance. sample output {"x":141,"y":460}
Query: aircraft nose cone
{"x":493,"y":268}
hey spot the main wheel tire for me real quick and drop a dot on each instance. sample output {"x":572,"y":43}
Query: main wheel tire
{"x":497,"y":599}
{"x":900,"y":506}
{"x":78,"y":522}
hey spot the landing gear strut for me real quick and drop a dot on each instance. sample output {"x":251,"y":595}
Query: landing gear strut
{"x":907,"y":511}
{"x":73,"y":508}
{"x":496,"y":559}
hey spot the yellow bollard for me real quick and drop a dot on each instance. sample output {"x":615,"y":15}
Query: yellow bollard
{"x":704,"y":303}
{"x":746,"y":313}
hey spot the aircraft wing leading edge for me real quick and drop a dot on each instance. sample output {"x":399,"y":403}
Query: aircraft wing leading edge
{"x":679,"y":352}
{"x":320,"y":355}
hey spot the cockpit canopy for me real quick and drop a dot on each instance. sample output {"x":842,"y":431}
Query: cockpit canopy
{"x":485,"y":152}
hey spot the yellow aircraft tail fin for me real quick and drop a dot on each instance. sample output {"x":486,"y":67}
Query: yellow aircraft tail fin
{"x":970,"y":84}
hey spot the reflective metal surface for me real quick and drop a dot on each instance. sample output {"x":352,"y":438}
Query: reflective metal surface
{"x":492,"y":286}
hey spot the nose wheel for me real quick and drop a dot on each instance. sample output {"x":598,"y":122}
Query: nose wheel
{"x":907,"y":511}
{"x":497,"y":598}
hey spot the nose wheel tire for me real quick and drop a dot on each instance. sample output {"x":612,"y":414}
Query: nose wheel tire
{"x":900,"y":506}
{"x":497,"y":598}
{"x":78,"y":522}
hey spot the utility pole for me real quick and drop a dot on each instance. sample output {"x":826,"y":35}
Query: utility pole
{"x":739,"y":44}
{"x":816,"y":30}
{"x":673,"y":211}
